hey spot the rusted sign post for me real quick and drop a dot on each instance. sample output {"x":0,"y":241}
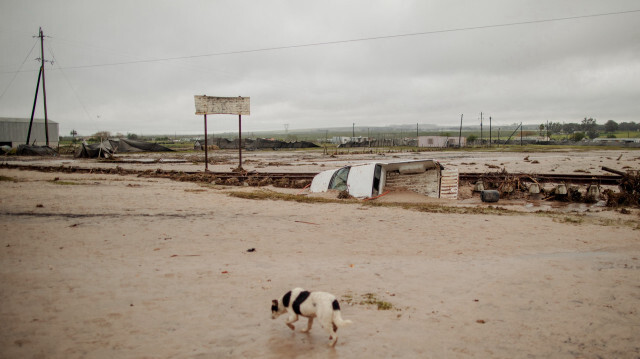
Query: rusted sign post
{"x":208,"y":105}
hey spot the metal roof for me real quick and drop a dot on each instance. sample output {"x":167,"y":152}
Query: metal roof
{"x":23,"y":120}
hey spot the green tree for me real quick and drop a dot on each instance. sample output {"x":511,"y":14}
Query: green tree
{"x":577,"y":137}
{"x":610,"y":126}
{"x":590,"y":127}
{"x":555,"y":127}
{"x":628,"y":126}
{"x":570,"y":127}
{"x":102,"y":135}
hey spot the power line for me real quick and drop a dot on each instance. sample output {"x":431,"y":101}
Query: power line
{"x":357,"y":40}
{"x":68,"y":82}
{"x":19,"y":68}
{"x":433,"y":32}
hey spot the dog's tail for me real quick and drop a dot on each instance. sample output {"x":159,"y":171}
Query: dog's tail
{"x":337,"y":317}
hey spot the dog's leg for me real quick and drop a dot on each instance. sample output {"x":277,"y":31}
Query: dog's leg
{"x":333,"y":339}
{"x":291,"y":319}
{"x":331,"y":329}
{"x":309,"y":324}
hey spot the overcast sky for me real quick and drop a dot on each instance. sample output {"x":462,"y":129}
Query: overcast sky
{"x":134,"y":66}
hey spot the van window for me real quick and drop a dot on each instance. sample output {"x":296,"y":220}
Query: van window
{"x":339,"y":179}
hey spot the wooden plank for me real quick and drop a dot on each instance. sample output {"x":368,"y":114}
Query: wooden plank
{"x":449,"y":183}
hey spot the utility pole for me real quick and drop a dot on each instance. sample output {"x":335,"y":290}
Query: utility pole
{"x":489,"y":131}
{"x":44,"y":87}
{"x":481,"y":137}
{"x":206,"y":145}
{"x":33,"y":110}
{"x":460,"y":135}
{"x":240,"y":142}
{"x":44,"y":91}
{"x":326,"y":139}
{"x":520,"y":133}
{"x":353,"y":131}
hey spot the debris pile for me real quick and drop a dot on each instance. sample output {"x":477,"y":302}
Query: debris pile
{"x":251,"y":144}
{"x":509,"y":185}
{"x":108,"y":148}
{"x":518,"y":186}
{"x":27,"y":150}
{"x":629,"y":194}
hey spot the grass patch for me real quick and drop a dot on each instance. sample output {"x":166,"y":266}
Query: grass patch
{"x":271,"y":195}
{"x":7,"y":179}
{"x":555,"y":216}
{"x":582,"y":219}
{"x":569,"y":219}
{"x":64,"y":183}
{"x":421,"y":207}
{"x":371,"y":299}
{"x":438,"y":208}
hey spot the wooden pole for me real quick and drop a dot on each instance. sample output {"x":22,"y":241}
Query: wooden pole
{"x":481,"y":137}
{"x":460,"y":135}
{"x":489,"y":131}
{"x":240,"y":141}
{"x":44,"y":89}
{"x":520,"y":133}
{"x":206,"y":146}
{"x":33,"y":110}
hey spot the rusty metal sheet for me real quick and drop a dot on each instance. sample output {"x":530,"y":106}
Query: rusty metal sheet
{"x":209,"y":105}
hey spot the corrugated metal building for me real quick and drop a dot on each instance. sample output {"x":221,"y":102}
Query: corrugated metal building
{"x":13,"y":132}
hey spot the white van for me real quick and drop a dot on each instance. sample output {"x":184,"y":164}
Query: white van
{"x":372,"y":179}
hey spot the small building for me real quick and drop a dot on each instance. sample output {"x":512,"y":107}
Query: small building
{"x":441,"y":141}
{"x":14,"y":131}
{"x":340,"y":140}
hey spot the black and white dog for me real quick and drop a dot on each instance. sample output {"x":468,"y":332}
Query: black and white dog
{"x":321,"y":305}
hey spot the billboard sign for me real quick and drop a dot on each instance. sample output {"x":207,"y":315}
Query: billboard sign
{"x":209,"y":105}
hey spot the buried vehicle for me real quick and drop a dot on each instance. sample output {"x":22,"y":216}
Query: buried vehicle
{"x":426,"y":177}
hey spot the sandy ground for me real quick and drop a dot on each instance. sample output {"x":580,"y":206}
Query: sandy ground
{"x":108,"y":266}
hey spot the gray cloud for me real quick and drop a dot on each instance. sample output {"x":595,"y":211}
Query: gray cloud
{"x":556,"y":71}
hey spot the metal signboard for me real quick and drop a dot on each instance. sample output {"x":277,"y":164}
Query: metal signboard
{"x":209,"y":105}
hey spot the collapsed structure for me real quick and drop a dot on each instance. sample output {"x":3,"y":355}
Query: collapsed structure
{"x":108,"y":147}
{"x":251,"y":144}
